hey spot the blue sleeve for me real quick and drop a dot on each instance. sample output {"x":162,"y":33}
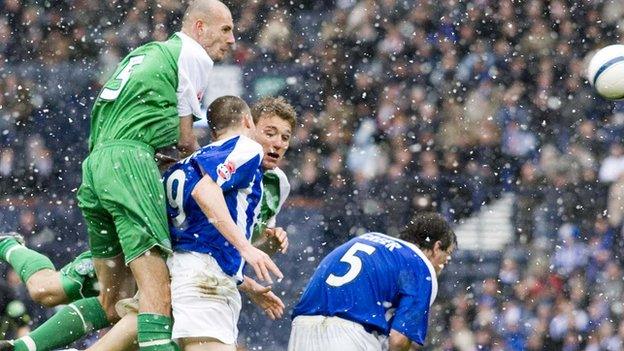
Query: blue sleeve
{"x":230,"y":169}
{"x":412,"y":315}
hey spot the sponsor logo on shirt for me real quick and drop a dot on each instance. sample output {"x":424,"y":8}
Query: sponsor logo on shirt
{"x":225,"y":170}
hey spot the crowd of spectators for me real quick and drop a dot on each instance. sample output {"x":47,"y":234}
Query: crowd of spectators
{"x":403,"y":105}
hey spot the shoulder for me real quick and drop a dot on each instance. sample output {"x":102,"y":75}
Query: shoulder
{"x":248,"y":146}
{"x":239,"y":149}
{"x":413,"y":265}
{"x":423,"y":269}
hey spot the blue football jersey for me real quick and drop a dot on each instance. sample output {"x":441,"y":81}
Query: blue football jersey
{"x":234,"y":164}
{"x":377,"y":281}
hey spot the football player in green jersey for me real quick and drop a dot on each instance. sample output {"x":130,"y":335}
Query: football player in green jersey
{"x":148,"y":103}
{"x":275,"y":119}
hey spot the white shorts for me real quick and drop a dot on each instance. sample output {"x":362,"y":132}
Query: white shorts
{"x":314,"y":333}
{"x":205,"y":301}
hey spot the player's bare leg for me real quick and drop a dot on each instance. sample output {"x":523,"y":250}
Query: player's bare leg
{"x":152,"y":277}
{"x":45,"y":284}
{"x":84,"y":315}
{"x":122,"y":337}
{"x":114,"y":278}
{"x":205,"y":344}
{"x":36,"y":270}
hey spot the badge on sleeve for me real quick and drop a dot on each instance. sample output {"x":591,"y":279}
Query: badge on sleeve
{"x":225,"y":170}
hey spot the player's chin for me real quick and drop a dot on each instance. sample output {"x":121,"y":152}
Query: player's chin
{"x":220,"y":55}
{"x":269,"y":163}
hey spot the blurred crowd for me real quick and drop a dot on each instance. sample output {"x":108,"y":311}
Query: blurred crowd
{"x":404,"y":105}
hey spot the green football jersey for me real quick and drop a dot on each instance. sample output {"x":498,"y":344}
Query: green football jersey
{"x":152,"y":86}
{"x":275,"y":190}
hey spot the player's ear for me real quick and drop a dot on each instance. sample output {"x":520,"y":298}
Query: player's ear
{"x":248,"y":122}
{"x":437,"y":247}
{"x":199,"y":26}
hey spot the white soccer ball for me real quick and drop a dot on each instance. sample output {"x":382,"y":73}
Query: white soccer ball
{"x":606,"y":72}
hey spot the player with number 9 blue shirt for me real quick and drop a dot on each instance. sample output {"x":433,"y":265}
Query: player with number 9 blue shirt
{"x":234,"y":164}
{"x":374,"y":285}
{"x":213,"y":200}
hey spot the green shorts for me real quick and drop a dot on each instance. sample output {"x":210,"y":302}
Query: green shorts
{"x":78,"y":278}
{"x":122,"y":199}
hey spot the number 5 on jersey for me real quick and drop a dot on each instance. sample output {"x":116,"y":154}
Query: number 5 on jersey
{"x":355,"y":265}
{"x":114,"y":86}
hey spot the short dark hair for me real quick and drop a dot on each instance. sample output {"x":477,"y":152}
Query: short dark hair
{"x":277,"y":106}
{"x":425,"y":228}
{"x":226,"y":111}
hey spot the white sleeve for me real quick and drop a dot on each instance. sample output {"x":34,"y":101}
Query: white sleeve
{"x":194,"y":68}
{"x":186,"y":97}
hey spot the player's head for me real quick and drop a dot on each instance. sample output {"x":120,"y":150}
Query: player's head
{"x":210,"y":23}
{"x":230,"y":114}
{"x":433,"y":235}
{"x":275,"y":120}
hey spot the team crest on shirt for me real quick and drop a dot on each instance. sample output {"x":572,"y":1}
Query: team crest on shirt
{"x":85,"y":267}
{"x":200,"y":95}
{"x":225,"y":170}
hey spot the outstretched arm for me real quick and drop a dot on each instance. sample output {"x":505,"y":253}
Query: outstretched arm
{"x":209,"y":197}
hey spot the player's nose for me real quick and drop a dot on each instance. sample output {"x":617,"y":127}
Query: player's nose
{"x":275,"y":145}
{"x":281,"y":144}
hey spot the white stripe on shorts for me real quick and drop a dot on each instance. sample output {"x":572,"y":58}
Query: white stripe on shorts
{"x":154,"y":343}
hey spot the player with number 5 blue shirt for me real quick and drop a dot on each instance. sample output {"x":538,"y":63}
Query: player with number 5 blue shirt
{"x":374,"y":285}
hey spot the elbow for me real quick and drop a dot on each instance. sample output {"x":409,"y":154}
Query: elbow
{"x":399,"y":345}
{"x":195,"y":193}
{"x":187,"y":143}
{"x":186,"y":147}
{"x":202,"y":190}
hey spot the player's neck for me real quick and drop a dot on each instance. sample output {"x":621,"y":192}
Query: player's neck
{"x":226,"y":134}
